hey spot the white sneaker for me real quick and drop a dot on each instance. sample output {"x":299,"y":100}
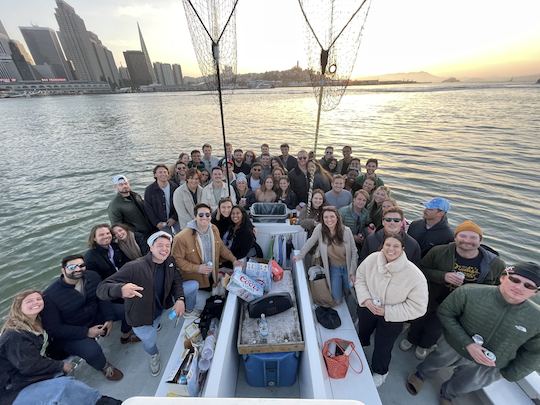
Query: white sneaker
{"x":193,"y":314}
{"x":155,"y":364}
{"x":405,"y":345}
{"x":379,"y":379}
{"x":421,"y":353}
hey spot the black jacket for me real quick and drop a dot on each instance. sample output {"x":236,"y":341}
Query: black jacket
{"x":291,"y":163}
{"x":290,"y":201}
{"x":130,"y":211}
{"x":21,"y":363}
{"x":97,"y":259}
{"x":241,"y":241}
{"x":299,"y":184}
{"x":68,"y":314}
{"x":222,"y":224}
{"x":155,"y":203}
{"x":438,"y":234}
{"x":140,"y":311}
{"x":373,"y":243}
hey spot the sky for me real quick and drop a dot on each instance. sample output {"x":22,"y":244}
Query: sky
{"x":461,"y":38}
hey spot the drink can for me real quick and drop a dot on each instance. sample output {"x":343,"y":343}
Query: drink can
{"x":490,"y":355}
{"x":460,"y":275}
{"x":377,"y":302}
{"x":479,"y":340}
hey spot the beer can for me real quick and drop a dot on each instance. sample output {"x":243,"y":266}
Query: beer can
{"x":460,"y":275}
{"x":377,"y":302}
{"x":479,"y":340}
{"x":490,"y":355}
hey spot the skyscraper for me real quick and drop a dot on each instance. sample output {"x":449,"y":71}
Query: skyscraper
{"x":8,"y":69}
{"x":22,"y":61}
{"x":3,"y":30}
{"x":107,"y":65}
{"x":177,"y":73}
{"x":146,"y":56}
{"x":138,"y":69}
{"x":45,"y":49}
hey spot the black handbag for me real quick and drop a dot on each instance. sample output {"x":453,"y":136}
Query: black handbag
{"x":270,"y":304}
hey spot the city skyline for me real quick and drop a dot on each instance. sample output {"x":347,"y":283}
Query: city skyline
{"x":479,"y":39}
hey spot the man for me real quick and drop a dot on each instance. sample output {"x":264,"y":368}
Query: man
{"x":158,"y":201}
{"x":328,"y":156}
{"x":198,"y":249}
{"x":392,"y":225}
{"x":196,"y":162}
{"x":217,"y":189}
{"x":179,"y":176}
{"x":209,"y":160}
{"x":228,"y":154}
{"x":343,"y":164}
{"x":265,"y":150}
{"x":356,"y":216}
{"x":355,"y":164}
{"x":338,"y":196}
{"x":478,"y":318}
{"x":371,"y":166}
{"x":298,"y":177}
{"x":433,"y":229}
{"x":104,"y":256}
{"x":239,"y":165}
{"x":127,"y":207}
{"x":254,"y":178}
{"x":447,"y":267}
{"x":288,"y":161}
{"x":266,"y":166}
{"x":74,"y":317}
{"x":149,"y":285}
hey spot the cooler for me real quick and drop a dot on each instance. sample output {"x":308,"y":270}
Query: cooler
{"x":271,"y":369}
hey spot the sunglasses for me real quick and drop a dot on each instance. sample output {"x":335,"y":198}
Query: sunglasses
{"x":396,"y":220}
{"x":73,"y":267}
{"x":204,"y":214}
{"x":526,"y":284}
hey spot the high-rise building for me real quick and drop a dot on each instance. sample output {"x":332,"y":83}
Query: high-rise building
{"x":146,"y":56}
{"x":164,"y":74}
{"x":123,"y":73}
{"x":177,"y":74}
{"x":8,"y":69}
{"x":21,"y":61}
{"x":107,"y":65}
{"x":45,"y":49}
{"x":138,"y":69}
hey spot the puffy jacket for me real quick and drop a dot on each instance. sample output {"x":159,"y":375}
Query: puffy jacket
{"x":130,"y":211}
{"x":373,"y":243}
{"x":357,"y":222}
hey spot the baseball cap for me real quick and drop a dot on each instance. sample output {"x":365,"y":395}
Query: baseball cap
{"x":119,"y":178}
{"x":156,"y":235}
{"x":438,"y":203}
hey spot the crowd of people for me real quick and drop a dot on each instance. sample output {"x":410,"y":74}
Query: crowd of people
{"x":159,"y":249}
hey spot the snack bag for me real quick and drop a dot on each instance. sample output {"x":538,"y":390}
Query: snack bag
{"x":277,"y":271}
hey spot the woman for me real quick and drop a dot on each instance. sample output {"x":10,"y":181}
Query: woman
{"x":276,"y":163}
{"x":250,"y":157}
{"x":26,"y":375}
{"x":285,"y":194}
{"x":204,"y":177}
{"x":187,"y":196}
{"x":265,"y":193}
{"x":332,"y":166}
{"x":221,"y":217}
{"x":244,"y":195}
{"x":368,"y":185}
{"x":321,"y":178}
{"x":240,"y":237}
{"x":390,"y":290}
{"x":277,"y":174}
{"x":184,"y":158}
{"x":308,"y":220}
{"x":375,"y":206}
{"x":338,"y":252}
{"x":132,"y":244}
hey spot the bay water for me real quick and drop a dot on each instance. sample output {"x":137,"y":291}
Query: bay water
{"x":477,"y":145}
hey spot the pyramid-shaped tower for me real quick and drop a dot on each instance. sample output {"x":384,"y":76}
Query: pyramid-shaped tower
{"x":146,"y":56}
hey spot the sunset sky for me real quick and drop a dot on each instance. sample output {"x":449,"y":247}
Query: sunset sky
{"x":462,"y":38}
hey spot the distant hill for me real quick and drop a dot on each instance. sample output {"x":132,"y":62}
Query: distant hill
{"x":420,"y":77}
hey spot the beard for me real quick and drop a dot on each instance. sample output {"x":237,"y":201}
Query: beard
{"x":76,"y":275}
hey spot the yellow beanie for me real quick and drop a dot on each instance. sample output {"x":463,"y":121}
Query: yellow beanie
{"x":468,"y":226}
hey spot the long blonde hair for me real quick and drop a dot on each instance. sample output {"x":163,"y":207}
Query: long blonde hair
{"x":16,"y":320}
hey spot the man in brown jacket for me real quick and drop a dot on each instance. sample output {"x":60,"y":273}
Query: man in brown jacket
{"x":198,"y":249}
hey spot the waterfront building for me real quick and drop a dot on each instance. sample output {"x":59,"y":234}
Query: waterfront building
{"x":22,"y":60}
{"x":177,"y":74}
{"x":148,"y":62}
{"x":107,"y":65}
{"x":3,"y":29}
{"x":8,"y":69}
{"x":138,"y":69}
{"x":44,"y":71}
{"x":46,"y":50}
{"x":164,"y":74}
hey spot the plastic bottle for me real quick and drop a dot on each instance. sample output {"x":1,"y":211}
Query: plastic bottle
{"x":207,"y":351}
{"x":263,"y":326}
{"x":172,"y":314}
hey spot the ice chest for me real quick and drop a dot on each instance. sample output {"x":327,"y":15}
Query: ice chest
{"x":271,"y":369}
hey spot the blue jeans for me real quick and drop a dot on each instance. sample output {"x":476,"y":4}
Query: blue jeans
{"x":120,"y":315}
{"x":190,"y":293}
{"x":148,"y":336}
{"x":87,"y":348}
{"x":339,"y":282}
{"x":58,"y":391}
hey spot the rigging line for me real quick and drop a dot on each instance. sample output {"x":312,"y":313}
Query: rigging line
{"x":309,"y":25}
{"x":348,"y":22}
{"x":200,"y":20}
{"x":228,"y":20}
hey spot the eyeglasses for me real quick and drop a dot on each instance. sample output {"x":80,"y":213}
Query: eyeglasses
{"x":204,"y":214}
{"x":73,"y":267}
{"x":527,"y":285}
{"x":396,"y":220}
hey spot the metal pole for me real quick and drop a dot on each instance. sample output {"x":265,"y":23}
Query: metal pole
{"x":318,"y":121}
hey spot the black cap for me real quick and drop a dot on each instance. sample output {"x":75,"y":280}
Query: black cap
{"x":528,"y":270}
{"x":328,"y":317}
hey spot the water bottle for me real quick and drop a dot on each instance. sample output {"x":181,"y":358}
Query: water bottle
{"x":263,"y":326}
{"x":172,"y":314}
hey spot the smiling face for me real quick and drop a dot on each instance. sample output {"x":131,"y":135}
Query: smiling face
{"x":103,"y":237}
{"x":379,"y":196}
{"x":360,"y":201}
{"x":119,"y":233}
{"x":392,"y":223}
{"x":236,"y":216}
{"x":269,"y":183}
{"x":207,"y":151}
{"x":74,"y":269}
{"x":203,"y":218}
{"x":283,"y":184}
{"x":371,"y":167}
{"x":241,"y":185}
{"x":123,"y":188}
{"x":225,"y":209}
{"x":392,"y":249}
{"x":330,"y":219}
{"x":265,"y":160}
{"x":337,"y":185}
{"x":369,"y":185}
{"x":217,"y":175}
{"x":467,"y":241}
{"x":317,"y":200}
{"x":162,"y":175}
{"x":193,"y":182}
{"x":32,"y":305}
{"x":513,"y":288}
{"x":161,"y":249}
